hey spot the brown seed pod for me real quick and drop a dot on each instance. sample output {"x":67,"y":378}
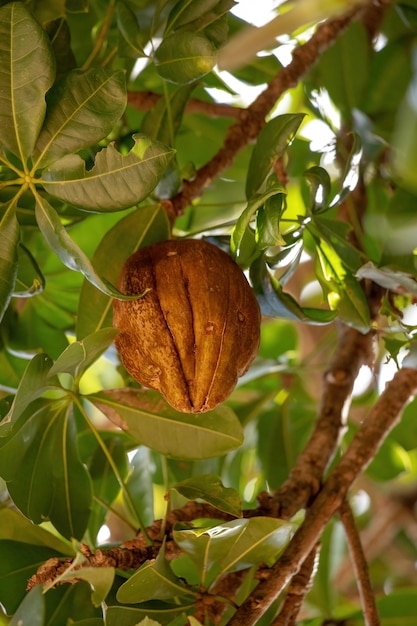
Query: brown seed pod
{"x":195,"y":331}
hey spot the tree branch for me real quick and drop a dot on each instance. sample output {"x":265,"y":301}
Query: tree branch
{"x":354,"y":350}
{"x":360,"y":566}
{"x":298,"y":589}
{"x":363,"y":448}
{"x":251,"y":121}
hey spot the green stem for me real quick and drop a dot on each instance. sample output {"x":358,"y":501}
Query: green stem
{"x":169,"y":114}
{"x":115,"y":512}
{"x":101,"y":35}
{"x":114,"y":468}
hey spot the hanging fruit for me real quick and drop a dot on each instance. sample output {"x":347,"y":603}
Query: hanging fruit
{"x":197,"y":328}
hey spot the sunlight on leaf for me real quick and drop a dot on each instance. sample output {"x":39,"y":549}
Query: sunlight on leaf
{"x":184,"y":57}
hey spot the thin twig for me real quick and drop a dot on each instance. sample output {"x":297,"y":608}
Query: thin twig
{"x":360,"y":566}
{"x":101,"y":35}
{"x":363,"y":448}
{"x":146,"y":100}
{"x":298,"y":589}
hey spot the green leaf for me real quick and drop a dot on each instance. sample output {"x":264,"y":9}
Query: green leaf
{"x":9,"y":239}
{"x":15,"y":527}
{"x":40,"y":462}
{"x":344,"y":293}
{"x":134,"y":176}
{"x":145,"y":416}
{"x":320,"y":182}
{"x":186,"y":11}
{"x":344,"y":69}
{"x":276,"y":303}
{"x":210,"y":489}
{"x":35,"y":381}
{"x":129,"y":616}
{"x":81,"y":354}
{"x":144,"y":226}
{"x":336,"y":235}
{"x":268,"y":220}
{"x":388,"y":278}
{"x":184,"y":57}
{"x":106,"y":485}
{"x":19,"y":561}
{"x":247,"y":216}
{"x":139,"y":485}
{"x":29,"y":280}
{"x":100,"y":578}
{"x":234,"y":545}
{"x":27,"y":68}
{"x":164,"y":119}
{"x":271,"y":144}
{"x":129,"y":29}
{"x":82,"y":109}
{"x":351,"y":172}
{"x":154,"y":580}
{"x":67,"y":250}
{"x":32,"y":609}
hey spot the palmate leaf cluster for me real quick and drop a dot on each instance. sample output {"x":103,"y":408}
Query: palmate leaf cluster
{"x":83,"y":180}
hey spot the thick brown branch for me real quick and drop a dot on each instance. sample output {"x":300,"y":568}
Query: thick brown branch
{"x":298,"y":589}
{"x":360,"y":566}
{"x":252,"y":120}
{"x":353,"y":351}
{"x":363,"y":448}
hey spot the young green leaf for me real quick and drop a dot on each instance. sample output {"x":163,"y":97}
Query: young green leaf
{"x":134,"y":176}
{"x":210,"y":489}
{"x":81,"y":354}
{"x":27,"y":68}
{"x":268,"y":218}
{"x":344,"y":293}
{"x":67,"y":250}
{"x":35,"y":381}
{"x":247,"y":216}
{"x":270,"y":145}
{"x":82,"y":109}
{"x":9,"y":239}
{"x":184,"y":57}
{"x":146,"y":415}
